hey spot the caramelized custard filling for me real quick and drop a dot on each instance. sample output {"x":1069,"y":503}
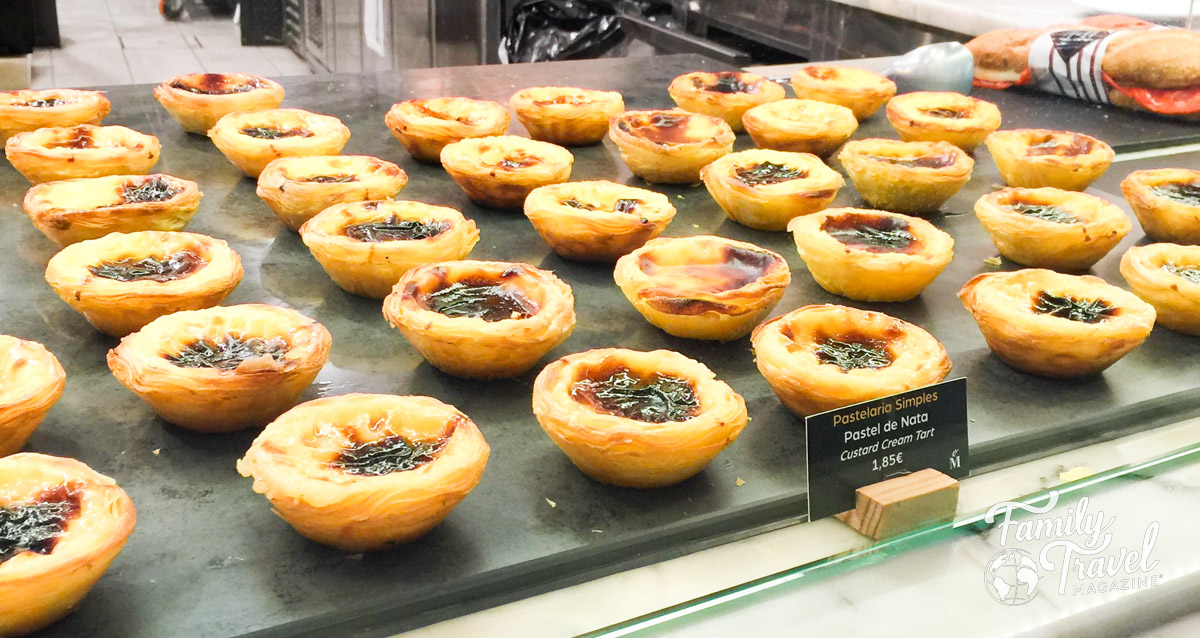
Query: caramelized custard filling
{"x":37,"y":526}
{"x":923,"y":161}
{"x":725,"y":82}
{"x":340,"y":178}
{"x":275,"y":133}
{"x":1187,"y":193}
{"x":440,"y":115}
{"x":821,"y":72}
{"x":480,"y":298}
{"x":43,"y":103}
{"x":227,"y":353}
{"x":1050,"y":145}
{"x":1068,"y":307}
{"x":947,"y":113}
{"x":654,"y":398}
{"x":872,"y":233}
{"x":620,"y":206}
{"x":395,"y":229}
{"x":1190,"y":273}
{"x":574,"y":100}
{"x":519,"y":161}
{"x":79,"y":138}
{"x":738,"y":267}
{"x":660,"y":128}
{"x":1044,"y":212}
{"x":853,"y":353}
{"x":170,"y":267}
{"x":151,"y":190}
{"x":215,"y":84}
{"x":768,"y":173}
{"x":385,"y":455}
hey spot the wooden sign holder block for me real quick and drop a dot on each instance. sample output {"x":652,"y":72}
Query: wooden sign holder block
{"x":902,"y":504}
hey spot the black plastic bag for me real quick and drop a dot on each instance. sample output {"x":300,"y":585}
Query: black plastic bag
{"x":543,"y":30}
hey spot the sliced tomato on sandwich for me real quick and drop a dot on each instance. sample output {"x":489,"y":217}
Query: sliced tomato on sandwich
{"x":1025,"y":78}
{"x":1163,"y":101}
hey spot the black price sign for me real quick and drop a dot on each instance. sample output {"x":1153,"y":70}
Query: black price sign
{"x":869,"y":442}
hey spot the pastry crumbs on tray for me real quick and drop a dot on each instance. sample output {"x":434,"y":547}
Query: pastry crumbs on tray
{"x":551,"y":503}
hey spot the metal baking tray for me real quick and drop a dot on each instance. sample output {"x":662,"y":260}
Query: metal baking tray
{"x":208,"y":557}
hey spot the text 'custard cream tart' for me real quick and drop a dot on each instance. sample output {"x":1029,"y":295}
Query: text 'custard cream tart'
{"x":637,"y":419}
{"x":1168,"y":277}
{"x":669,"y":146}
{"x":198,"y":100}
{"x":425,"y":126}
{"x":1052,"y":228}
{"x":253,"y":139}
{"x":861,"y":91}
{"x":74,"y":210}
{"x":1033,"y":158}
{"x":365,"y":472}
{"x":121,"y":282}
{"x":597,"y":220}
{"x":84,"y":150}
{"x":703,"y":287}
{"x":31,"y":382}
{"x":501,"y":171}
{"x":1166,"y":202}
{"x":724,"y":94}
{"x":906,"y":177}
{"x":565,"y":115}
{"x":297,"y":188}
{"x":765,"y":189}
{"x":366,"y":247}
{"x":32,"y":109}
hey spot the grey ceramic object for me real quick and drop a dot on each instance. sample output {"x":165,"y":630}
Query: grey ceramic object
{"x":942,"y":66}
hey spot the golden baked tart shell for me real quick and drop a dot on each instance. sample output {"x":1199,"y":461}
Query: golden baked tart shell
{"x":566,"y":115}
{"x":471,"y":346}
{"x":1047,"y":345}
{"x":75,"y":210}
{"x":32,"y":109}
{"x":877,"y":167}
{"x":1033,"y":158}
{"x":800,"y":126}
{"x":501,"y":171}
{"x":597,"y":220}
{"x":766,"y":189}
{"x":669,"y":146}
{"x":724,"y":94}
{"x":295,"y":464}
{"x":629,"y":452}
{"x":210,"y":399}
{"x":1029,"y":240}
{"x":863,"y":271}
{"x":425,"y":126}
{"x":703,"y":287}
{"x":297,"y":188}
{"x":1167,"y":276}
{"x":303,"y":134}
{"x":211,"y":270}
{"x":861,"y":91}
{"x":372,"y":268}
{"x":31,"y":382}
{"x":1163,"y":218}
{"x":943,"y":116}
{"x":84,"y":150}
{"x":788,"y":350}
{"x":38,"y":589}
{"x":198,"y":100}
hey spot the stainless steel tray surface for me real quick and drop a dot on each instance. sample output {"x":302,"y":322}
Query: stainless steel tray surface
{"x":208,"y":557}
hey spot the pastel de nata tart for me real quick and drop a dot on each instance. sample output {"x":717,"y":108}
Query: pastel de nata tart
{"x":253,"y":139}
{"x":669,"y":146}
{"x":198,"y":100}
{"x":821,"y":357}
{"x":724,"y":94}
{"x":61,"y":525}
{"x":32,"y":109}
{"x":863,"y":92}
{"x":481,"y":319}
{"x":765,"y":189}
{"x":31,"y":382}
{"x":801,"y":126}
{"x":83,"y":150}
{"x":297,"y":188}
{"x":1166,"y":202}
{"x":943,"y":116}
{"x":637,"y":419}
{"x":121,"y":282}
{"x":1167,"y":276}
{"x":1055,"y":325}
{"x":501,"y":171}
{"x":597,"y":220}
{"x":224,"y":368}
{"x":1032,"y":158}
{"x":906,"y":177}
{"x":367,"y":246}
{"x":703,"y":287}
{"x":74,"y":210}
{"x":871,"y":255}
{"x":566,"y":115}
{"x":425,"y":126}
{"x":365,"y":472}
{"x":1052,"y":228}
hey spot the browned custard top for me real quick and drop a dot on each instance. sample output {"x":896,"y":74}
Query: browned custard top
{"x":821,"y":72}
{"x":517,"y":161}
{"x":725,"y":82}
{"x":387,"y":455}
{"x":947,"y":113}
{"x":228,"y":352}
{"x":483,"y":298}
{"x":420,"y":107}
{"x":275,"y":133}
{"x":651,"y":398}
{"x":620,"y":206}
{"x":566,"y":98}
{"x":340,"y":178}
{"x":79,"y":137}
{"x":853,"y":352}
{"x":1186,"y":193}
{"x":43,"y":102}
{"x":1052,"y":145}
{"x":1072,"y":308}
{"x":941,"y":160}
{"x":392,"y":228}
{"x":768,"y":173}
{"x":1190,"y":273}
{"x":872,"y":233}
{"x":660,"y":128}
{"x":36,"y":526}
{"x":737,"y":268}
{"x":162,"y":269}
{"x":1044,"y":212}
{"x":216,"y":84}
{"x":154,"y":189}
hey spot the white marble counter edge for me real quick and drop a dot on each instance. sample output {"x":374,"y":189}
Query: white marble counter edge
{"x":973,"y":18}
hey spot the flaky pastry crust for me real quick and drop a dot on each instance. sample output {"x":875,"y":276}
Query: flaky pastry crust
{"x":1075,"y":230}
{"x":597,"y":220}
{"x":724,"y":94}
{"x":943,"y":116}
{"x":1165,"y":218}
{"x":253,"y":139}
{"x":863,"y":92}
{"x":1033,"y":158}
{"x":1167,"y":276}
{"x":669,"y":146}
{"x":906,"y":177}
{"x":501,"y":171}
{"x":766,"y":189}
{"x":74,"y":210}
{"x":297,"y":188}
{"x":32,"y":109}
{"x":566,"y":115}
{"x":31,"y":382}
{"x":801,"y":126}
{"x":198,"y":100}
{"x":425,"y":126}
{"x":83,"y":150}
